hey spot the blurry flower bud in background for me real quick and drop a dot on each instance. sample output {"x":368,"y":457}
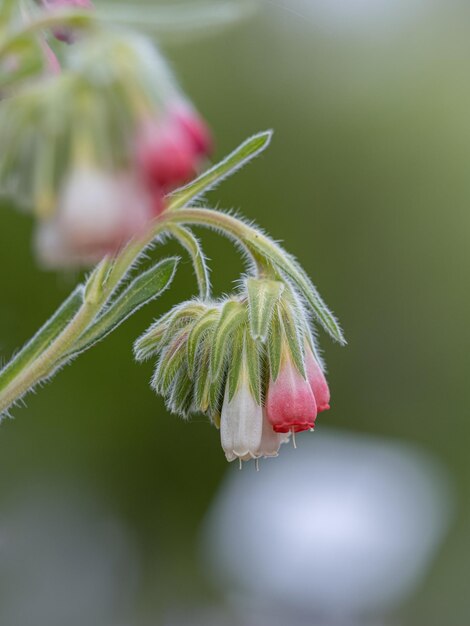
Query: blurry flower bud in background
{"x":67,"y":35}
{"x":97,"y":146}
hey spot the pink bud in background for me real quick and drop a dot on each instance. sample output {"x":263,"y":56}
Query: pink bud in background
{"x":290,"y":403}
{"x":65,"y":34}
{"x":195,"y":127}
{"x":169,"y":149}
{"x":317,"y":381}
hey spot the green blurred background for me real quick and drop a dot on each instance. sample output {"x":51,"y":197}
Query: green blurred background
{"x":367,"y":183}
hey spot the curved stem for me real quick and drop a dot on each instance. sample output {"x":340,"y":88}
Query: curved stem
{"x":102,"y":284}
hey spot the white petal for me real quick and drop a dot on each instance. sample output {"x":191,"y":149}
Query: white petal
{"x":241,"y":425}
{"x":90,"y":209}
{"x":270,"y":440}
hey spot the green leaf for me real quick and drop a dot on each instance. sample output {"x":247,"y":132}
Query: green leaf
{"x":172,"y":359}
{"x":232,"y":315}
{"x":292,"y":336}
{"x":236,"y":362}
{"x":253,"y":365}
{"x":146,"y":287}
{"x":288,"y":267}
{"x":181,"y":394}
{"x":207,"y":322}
{"x":44,"y":337}
{"x":247,"y":151}
{"x":148,"y":344}
{"x":262,"y":297}
{"x":202,"y":383}
{"x":193,"y":247}
{"x":181,"y":20}
{"x":275,"y":345}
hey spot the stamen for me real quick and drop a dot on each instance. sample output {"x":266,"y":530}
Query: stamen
{"x":257,"y":464}
{"x":293,"y":439}
{"x":240,"y":463}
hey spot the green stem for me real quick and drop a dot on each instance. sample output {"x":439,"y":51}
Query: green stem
{"x":99,"y":289}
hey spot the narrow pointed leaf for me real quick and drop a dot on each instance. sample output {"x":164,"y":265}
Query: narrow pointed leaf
{"x":275,"y":345}
{"x":292,"y":335}
{"x":181,"y":394}
{"x":285,"y":263}
{"x":179,"y":21}
{"x":253,"y":365}
{"x":262,"y":298}
{"x":148,"y":344}
{"x":202,"y":382}
{"x":232,"y":315}
{"x":146,"y":287}
{"x":236,"y":362}
{"x":207,"y":321}
{"x":172,"y":359}
{"x":193,"y":247}
{"x":247,"y":151}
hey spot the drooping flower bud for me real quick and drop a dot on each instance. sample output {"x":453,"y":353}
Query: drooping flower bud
{"x":169,"y":148}
{"x":62,"y":33}
{"x":241,"y":424}
{"x":290,"y":403}
{"x":317,"y":381}
{"x":247,"y":361}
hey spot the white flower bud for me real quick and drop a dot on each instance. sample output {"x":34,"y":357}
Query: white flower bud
{"x":241,"y":424}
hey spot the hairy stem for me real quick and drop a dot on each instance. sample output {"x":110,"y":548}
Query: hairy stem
{"x":100,"y":287}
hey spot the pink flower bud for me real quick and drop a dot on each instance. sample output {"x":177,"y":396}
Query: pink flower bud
{"x":195,"y":128}
{"x":63,"y":33}
{"x":168,"y":150}
{"x":290,"y":403}
{"x":164,"y":154}
{"x":317,"y":381}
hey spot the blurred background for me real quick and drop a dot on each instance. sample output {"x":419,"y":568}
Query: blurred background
{"x":113,"y":512}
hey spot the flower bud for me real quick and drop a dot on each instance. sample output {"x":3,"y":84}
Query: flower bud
{"x":97,"y":214}
{"x":317,"y":381}
{"x":241,"y":424}
{"x":67,"y":35}
{"x":290,"y":403}
{"x":169,"y":148}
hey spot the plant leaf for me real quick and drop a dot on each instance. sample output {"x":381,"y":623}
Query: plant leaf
{"x":236,"y":362}
{"x":169,"y":22}
{"x":193,"y":247}
{"x":289,"y":268}
{"x":262,"y":297}
{"x":253,"y":365}
{"x":291,"y":334}
{"x":205,"y":323}
{"x":146,"y":287}
{"x":232,"y":315}
{"x":275,"y":345}
{"x":245,"y":152}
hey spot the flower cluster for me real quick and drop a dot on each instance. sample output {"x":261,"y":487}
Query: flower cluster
{"x":248,"y":362}
{"x":95,"y":148}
